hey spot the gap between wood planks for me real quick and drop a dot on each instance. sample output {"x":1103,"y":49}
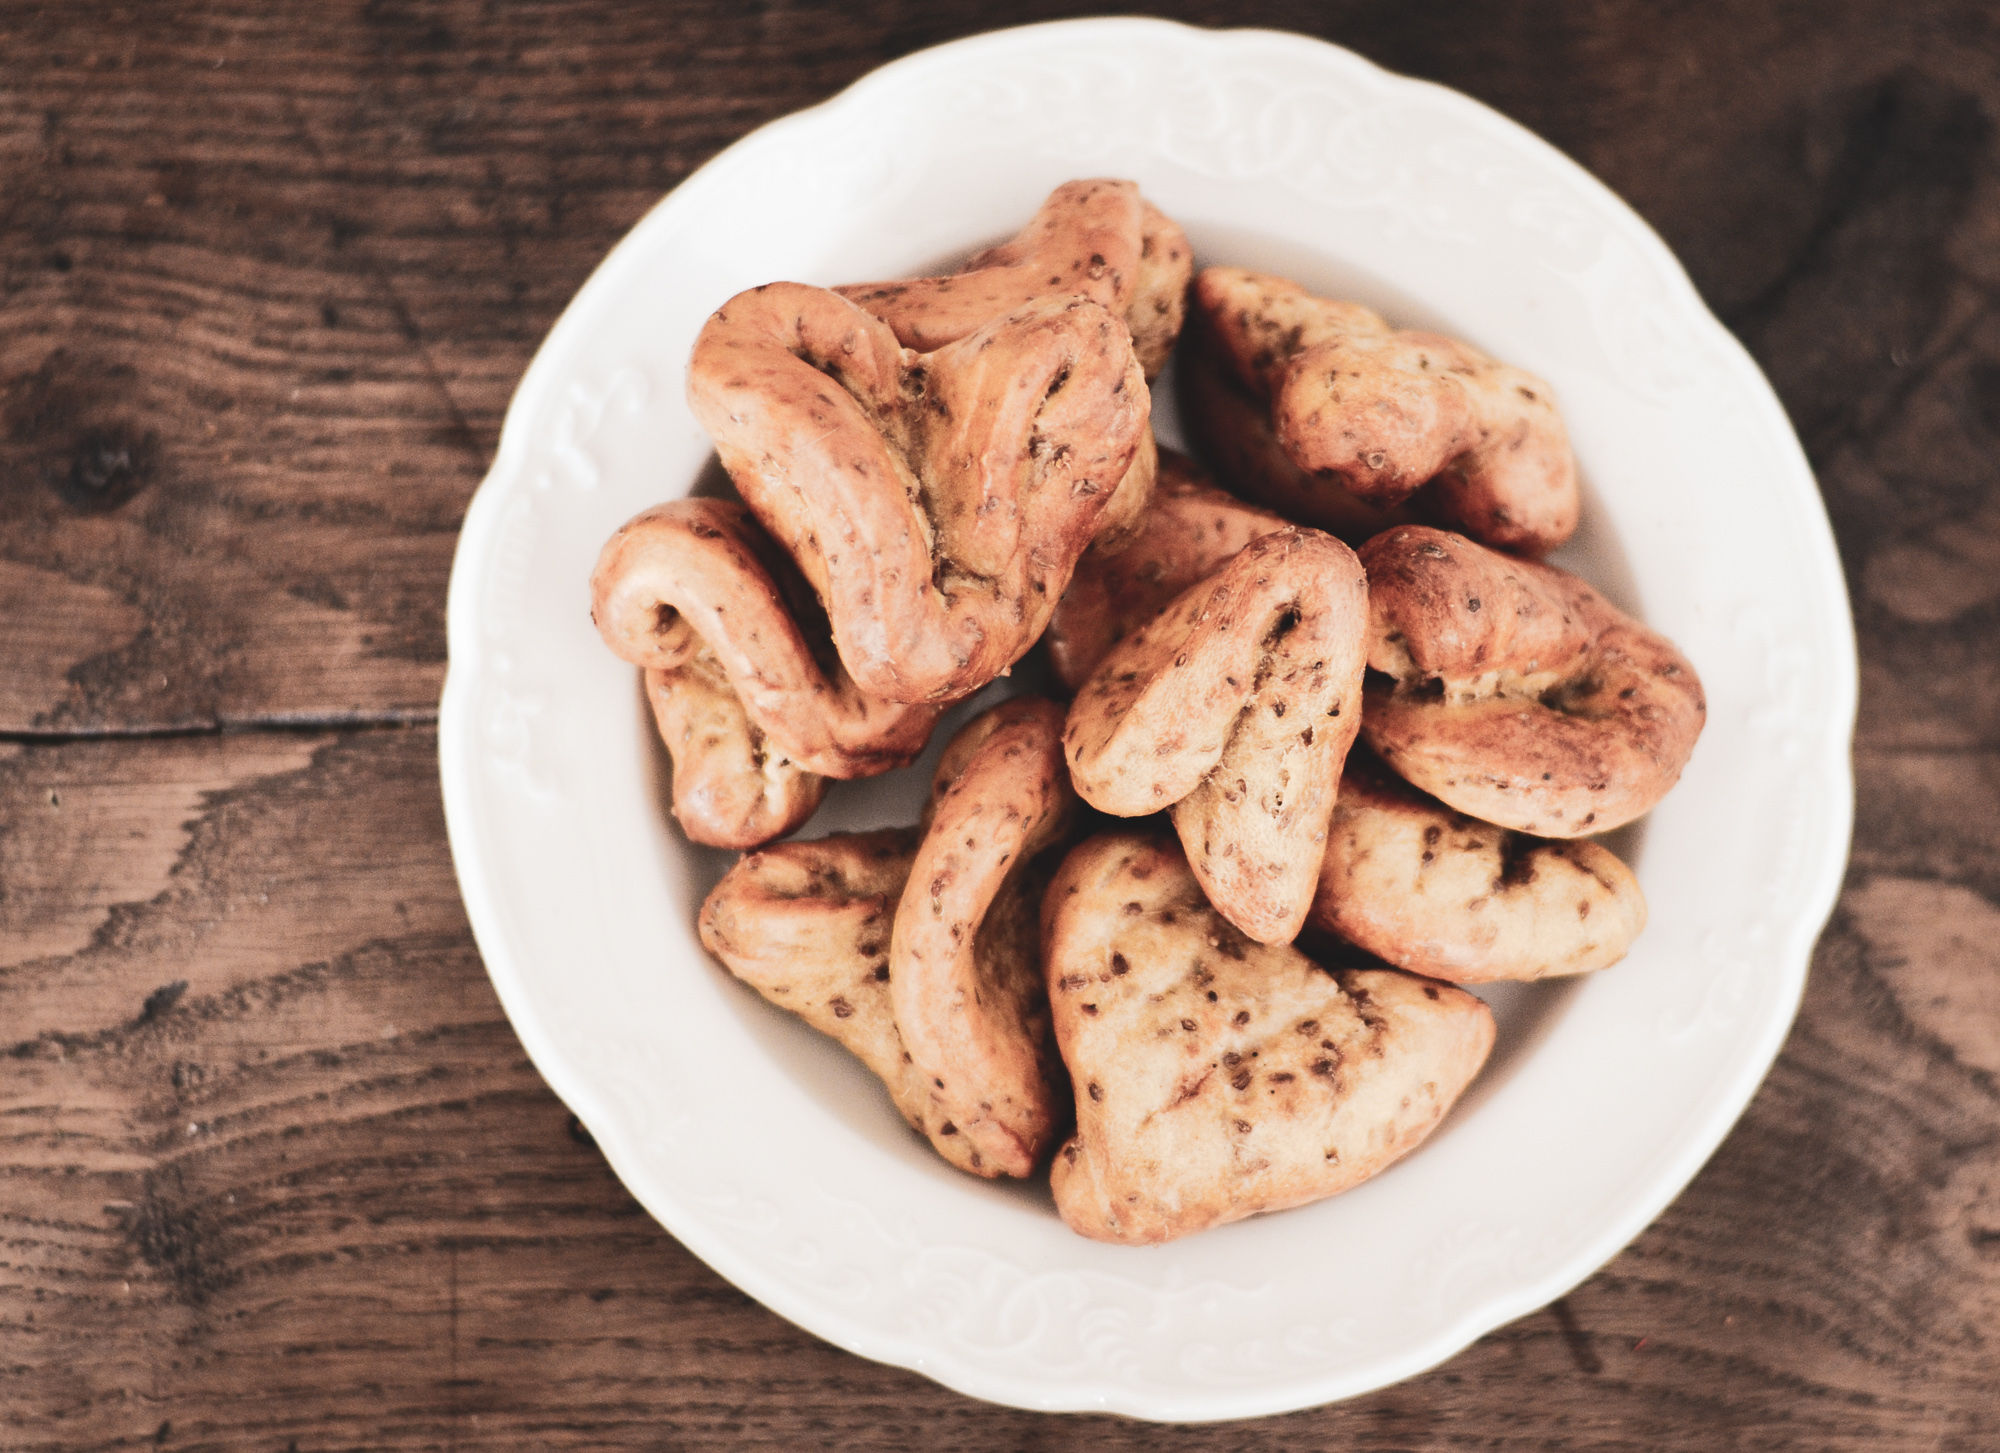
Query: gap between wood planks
{"x":233,"y":726}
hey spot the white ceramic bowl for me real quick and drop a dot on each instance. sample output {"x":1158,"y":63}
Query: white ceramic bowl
{"x":770,"y":1153}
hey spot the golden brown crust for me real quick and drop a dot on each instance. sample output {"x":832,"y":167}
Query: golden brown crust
{"x":732,"y":786}
{"x":1387,"y":412}
{"x":1217,"y":1078}
{"x":964,"y":969}
{"x":1518,"y":694}
{"x":1095,"y":238}
{"x":1439,"y":893}
{"x":807,"y":926}
{"x":697,"y":575}
{"x":1187,"y":532}
{"x":1235,"y":707}
{"x":937,"y":502}
{"x":1229,"y":426}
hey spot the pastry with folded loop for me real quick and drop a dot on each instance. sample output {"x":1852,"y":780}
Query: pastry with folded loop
{"x":936,"y":502}
{"x":1188,"y":530}
{"x":694,"y":592}
{"x":1235,"y":707}
{"x":1439,"y":893}
{"x":1387,"y":412}
{"x":1215,"y":1077}
{"x":1516,"y":693}
{"x":964,"y":956}
{"x":1098,"y":238}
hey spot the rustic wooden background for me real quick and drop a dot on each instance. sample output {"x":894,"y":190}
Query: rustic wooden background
{"x":276,"y":1174}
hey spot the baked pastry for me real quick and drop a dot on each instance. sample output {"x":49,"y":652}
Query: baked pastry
{"x":1439,"y":893}
{"x":918,"y":948}
{"x":936,"y":502}
{"x":732,"y":786}
{"x":748,"y":696}
{"x":1188,"y":530}
{"x":1097,"y":238}
{"x":1517,"y":694}
{"x":1234,"y":708}
{"x":1387,"y":412}
{"x":1228,"y":425}
{"x":806,"y":924}
{"x":964,"y":964}
{"x":1216,"y":1077}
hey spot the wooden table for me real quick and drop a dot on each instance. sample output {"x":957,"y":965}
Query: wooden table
{"x":277,"y":1174}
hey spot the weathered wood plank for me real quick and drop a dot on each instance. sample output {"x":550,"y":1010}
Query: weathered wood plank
{"x":268,"y":278}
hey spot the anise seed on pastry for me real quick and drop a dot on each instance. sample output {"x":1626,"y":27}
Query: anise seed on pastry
{"x":1217,"y":1078}
{"x":698,"y":575}
{"x":806,"y":924}
{"x":1389,"y":411}
{"x":1515,"y":692}
{"x":937,"y":502}
{"x":964,"y":959}
{"x":1235,"y":707}
{"x":1189,"y":530}
{"x":1098,"y":238}
{"x":1439,"y":893}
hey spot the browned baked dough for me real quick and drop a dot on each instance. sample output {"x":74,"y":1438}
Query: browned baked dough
{"x":937,"y":502}
{"x":964,"y":964}
{"x":1386,"y":412}
{"x":732,"y":786}
{"x":1235,"y":707}
{"x":1097,"y":238}
{"x":807,"y":926}
{"x":1229,"y":426}
{"x":695,"y":574}
{"x":1216,"y":1077}
{"x":1439,"y":893}
{"x":1188,"y":531}
{"x":1516,"y":693}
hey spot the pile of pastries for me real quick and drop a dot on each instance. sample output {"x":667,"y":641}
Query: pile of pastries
{"x":1325,"y":678}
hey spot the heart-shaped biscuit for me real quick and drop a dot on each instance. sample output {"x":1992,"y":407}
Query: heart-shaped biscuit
{"x":1216,"y":1077}
{"x":1515,"y":693}
{"x":1096,"y":238}
{"x":1436,"y":892}
{"x":1387,"y":412}
{"x":1234,"y":707}
{"x":936,"y":502}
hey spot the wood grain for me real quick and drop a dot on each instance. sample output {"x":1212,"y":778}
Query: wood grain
{"x":276,"y":1173}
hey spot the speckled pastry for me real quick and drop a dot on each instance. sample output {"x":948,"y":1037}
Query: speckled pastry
{"x":1439,"y":893}
{"x":1215,"y":1077}
{"x":1515,"y":693}
{"x":936,"y":502}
